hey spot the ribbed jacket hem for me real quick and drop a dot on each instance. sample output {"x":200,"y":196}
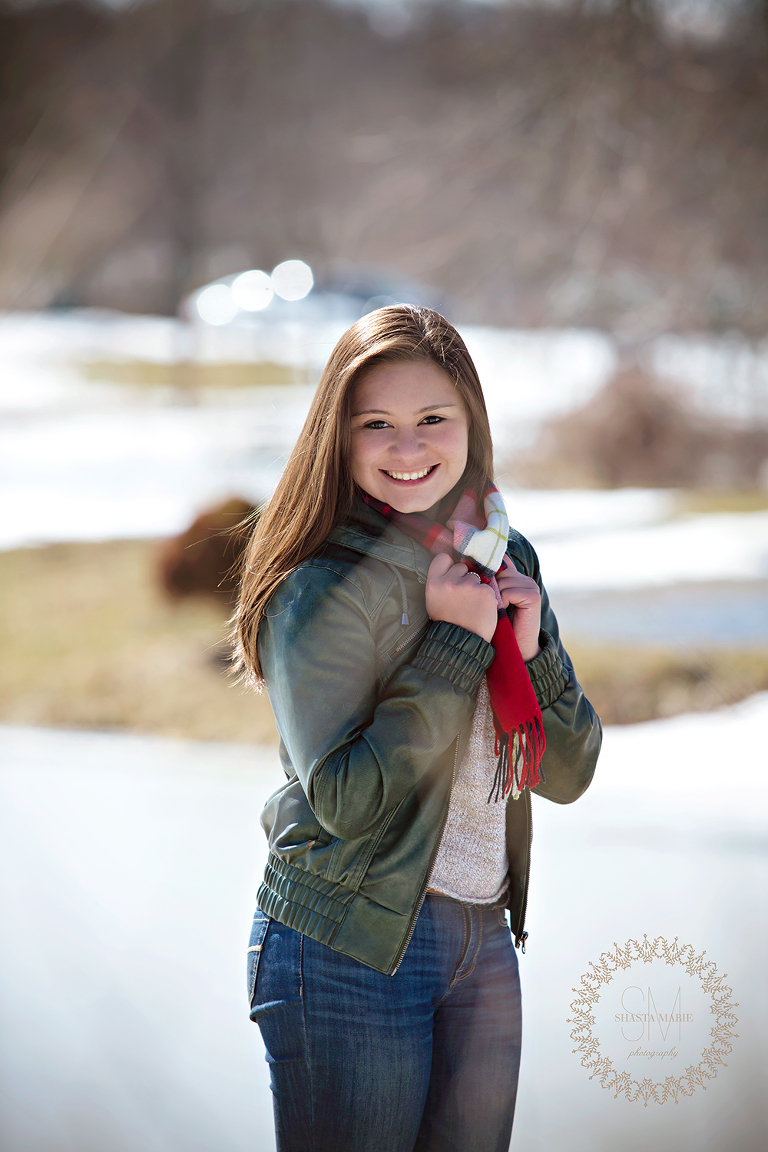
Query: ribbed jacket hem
{"x":345,"y":920}
{"x":302,"y":901}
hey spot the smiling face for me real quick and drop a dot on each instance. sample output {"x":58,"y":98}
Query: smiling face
{"x":410,"y":433}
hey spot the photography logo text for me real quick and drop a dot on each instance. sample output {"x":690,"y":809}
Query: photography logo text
{"x":652,"y":1020}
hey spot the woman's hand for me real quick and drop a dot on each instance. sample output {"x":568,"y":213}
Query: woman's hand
{"x":456,"y":595}
{"x":522,"y":592}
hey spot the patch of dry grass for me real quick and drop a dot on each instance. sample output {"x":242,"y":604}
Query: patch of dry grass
{"x":193,"y":376}
{"x":629,"y":684}
{"x":89,"y":642}
{"x":723,"y":500}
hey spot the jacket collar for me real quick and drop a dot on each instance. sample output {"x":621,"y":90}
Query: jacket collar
{"x":368,"y":532}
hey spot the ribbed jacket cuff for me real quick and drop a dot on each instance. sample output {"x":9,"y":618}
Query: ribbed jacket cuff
{"x":548,"y":674}
{"x":459,"y":656}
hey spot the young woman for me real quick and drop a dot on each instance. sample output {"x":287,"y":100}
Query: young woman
{"x":420,"y":691}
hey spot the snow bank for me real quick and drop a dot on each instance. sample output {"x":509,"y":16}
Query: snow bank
{"x":710,"y":547}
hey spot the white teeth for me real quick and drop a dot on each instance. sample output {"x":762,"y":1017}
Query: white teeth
{"x":409,"y":475}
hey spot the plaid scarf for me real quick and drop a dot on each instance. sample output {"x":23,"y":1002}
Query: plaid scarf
{"x":480,"y":542}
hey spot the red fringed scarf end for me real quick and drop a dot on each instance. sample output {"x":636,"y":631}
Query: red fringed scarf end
{"x":517,"y":720}
{"x":524,"y":771}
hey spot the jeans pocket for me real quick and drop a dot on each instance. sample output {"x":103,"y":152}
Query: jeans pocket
{"x":255,"y":948}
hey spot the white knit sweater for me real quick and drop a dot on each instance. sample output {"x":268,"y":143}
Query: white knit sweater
{"x":471,"y":863}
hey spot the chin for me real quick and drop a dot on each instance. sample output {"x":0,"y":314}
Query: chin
{"x":415,"y":506}
{"x":420,"y":502}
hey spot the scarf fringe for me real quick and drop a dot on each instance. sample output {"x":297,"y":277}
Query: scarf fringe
{"x":522,"y":767}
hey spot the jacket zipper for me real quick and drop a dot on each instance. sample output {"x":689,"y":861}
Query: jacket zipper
{"x":523,"y":936}
{"x":408,"y":639}
{"x":404,"y":619}
{"x":423,"y":893}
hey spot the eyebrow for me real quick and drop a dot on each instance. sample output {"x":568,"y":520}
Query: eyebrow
{"x":381,"y":412}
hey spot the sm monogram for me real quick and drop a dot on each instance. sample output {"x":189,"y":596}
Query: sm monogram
{"x":641,"y":1017}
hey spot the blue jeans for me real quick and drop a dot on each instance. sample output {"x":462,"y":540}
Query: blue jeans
{"x":426,"y":1059}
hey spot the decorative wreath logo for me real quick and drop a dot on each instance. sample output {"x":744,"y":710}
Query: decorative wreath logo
{"x":601,"y":974}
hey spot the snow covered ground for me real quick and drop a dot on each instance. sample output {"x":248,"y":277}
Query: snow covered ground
{"x":724,"y":546}
{"x":129,"y":867}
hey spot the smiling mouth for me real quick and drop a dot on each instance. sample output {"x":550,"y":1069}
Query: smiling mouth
{"x":405,"y":477}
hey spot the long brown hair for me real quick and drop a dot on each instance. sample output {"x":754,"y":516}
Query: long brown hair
{"x":316,"y":490}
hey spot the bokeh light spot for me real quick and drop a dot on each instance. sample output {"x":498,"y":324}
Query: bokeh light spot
{"x":215,"y":304}
{"x":252,"y":290}
{"x":377,"y":302}
{"x":292,"y":279}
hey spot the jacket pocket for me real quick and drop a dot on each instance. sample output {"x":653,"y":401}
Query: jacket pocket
{"x":255,"y":948}
{"x":323,"y":838}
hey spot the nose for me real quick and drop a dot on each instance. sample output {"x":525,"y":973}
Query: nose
{"x":408,"y":445}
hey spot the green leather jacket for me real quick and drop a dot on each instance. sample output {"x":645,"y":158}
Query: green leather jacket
{"x":373,"y":702}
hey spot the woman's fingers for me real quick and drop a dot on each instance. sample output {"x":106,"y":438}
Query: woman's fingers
{"x":524,"y":595}
{"x":517,"y":589}
{"x":454,"y":597}
{"x":439,"y":566}
{"x":448,"y":569}
{"x":455,"y":594}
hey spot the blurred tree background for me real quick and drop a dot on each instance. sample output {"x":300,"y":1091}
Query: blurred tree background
{"x":542,"y":164}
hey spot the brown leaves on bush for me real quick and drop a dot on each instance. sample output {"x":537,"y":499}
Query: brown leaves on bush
{"x":636,"y":433}
{"x":205,"y":559}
